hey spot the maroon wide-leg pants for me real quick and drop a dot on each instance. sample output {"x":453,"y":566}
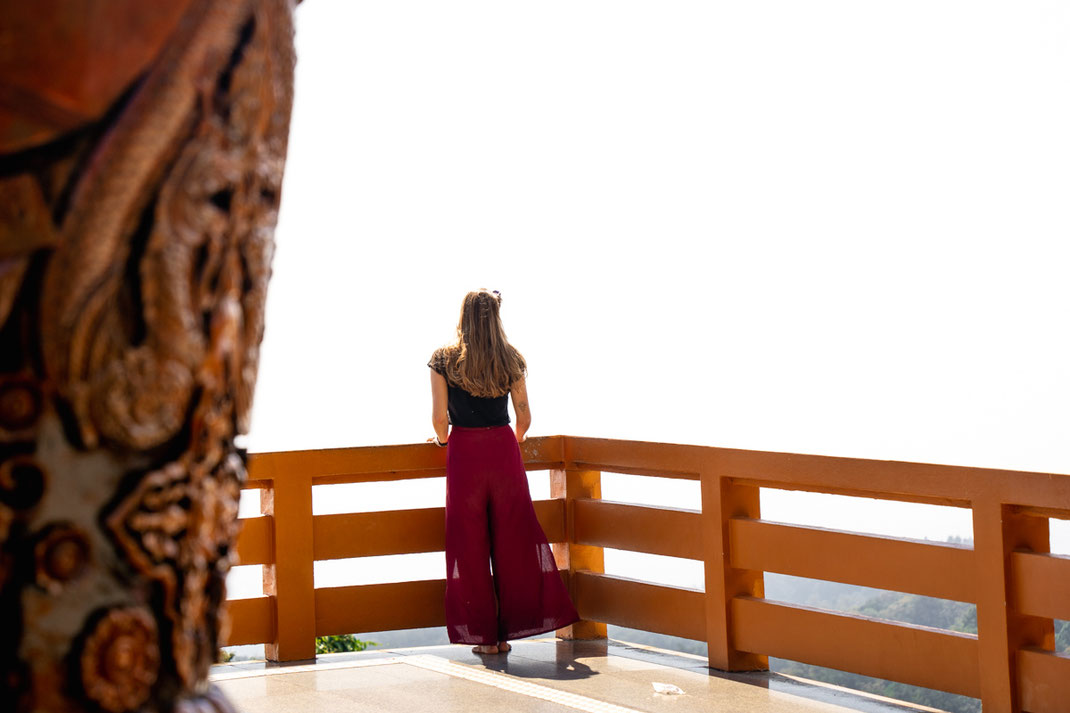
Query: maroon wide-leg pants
{"x":501,"y":579}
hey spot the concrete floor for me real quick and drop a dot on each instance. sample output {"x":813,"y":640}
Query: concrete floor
{"x":538,"y":676}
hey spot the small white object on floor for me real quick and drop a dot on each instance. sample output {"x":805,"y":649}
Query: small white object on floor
{"x":667,"y":688}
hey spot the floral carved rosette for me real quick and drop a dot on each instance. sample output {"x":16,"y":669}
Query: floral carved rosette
{"x":139,"y":186}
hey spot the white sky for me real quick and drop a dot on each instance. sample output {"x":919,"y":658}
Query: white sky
{"x":806,"y":226}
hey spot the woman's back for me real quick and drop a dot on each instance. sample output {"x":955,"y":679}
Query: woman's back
{"x":466,"y":409}
{"x":480,"y":370}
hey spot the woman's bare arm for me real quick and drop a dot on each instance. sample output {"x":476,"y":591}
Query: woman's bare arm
{"x":439,"y":398}
{"x":519,"y":394}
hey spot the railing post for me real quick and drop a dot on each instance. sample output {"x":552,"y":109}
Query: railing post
{"x":721,"y":501}
{"x":289,"y":579}
{"x":570,"y":485}
{"x":997,"y":532}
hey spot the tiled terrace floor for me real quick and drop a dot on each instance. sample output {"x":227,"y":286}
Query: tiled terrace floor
{"x":538,"y":676}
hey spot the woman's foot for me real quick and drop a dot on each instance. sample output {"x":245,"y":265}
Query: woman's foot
{"x":492,"y":649}
{"x":504,"y":646}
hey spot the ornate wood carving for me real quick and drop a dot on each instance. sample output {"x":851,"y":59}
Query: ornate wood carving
{"x":136,"y":225}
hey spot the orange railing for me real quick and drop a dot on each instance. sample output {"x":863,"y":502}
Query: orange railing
{"x":1018,"y":587}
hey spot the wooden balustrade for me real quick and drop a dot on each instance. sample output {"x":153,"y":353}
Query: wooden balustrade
{"x":1018,"y":586}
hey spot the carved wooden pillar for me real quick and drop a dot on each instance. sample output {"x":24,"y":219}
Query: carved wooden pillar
{"x":141,"y":156}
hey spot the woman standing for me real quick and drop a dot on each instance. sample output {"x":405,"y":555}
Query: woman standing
{"x":501,"y":579}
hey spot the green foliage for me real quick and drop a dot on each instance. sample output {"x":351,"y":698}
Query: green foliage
{"x":1062,"y":637}
{"x":922,"y":611}
{"x":341,"y":642}
{"x":225,"y":656}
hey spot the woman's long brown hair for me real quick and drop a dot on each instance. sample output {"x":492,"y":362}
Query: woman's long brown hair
{"x":482,"y":361}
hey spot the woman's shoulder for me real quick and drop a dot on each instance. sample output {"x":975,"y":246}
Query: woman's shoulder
{"x":519,"y":360}
{"x":439,"y":359}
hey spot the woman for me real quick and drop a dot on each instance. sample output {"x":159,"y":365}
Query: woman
{"x":489,"y":515}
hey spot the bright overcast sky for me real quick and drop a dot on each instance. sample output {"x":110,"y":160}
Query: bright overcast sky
{"x":829,"y":227}
{"x":806,"y":226}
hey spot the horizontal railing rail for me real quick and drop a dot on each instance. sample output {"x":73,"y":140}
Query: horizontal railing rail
{"x":1019,"y":588}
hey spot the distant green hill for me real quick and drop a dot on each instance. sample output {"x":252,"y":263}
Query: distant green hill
{"x":909,"y":609}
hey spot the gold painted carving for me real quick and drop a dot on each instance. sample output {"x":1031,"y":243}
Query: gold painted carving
{"x":120,"y":660}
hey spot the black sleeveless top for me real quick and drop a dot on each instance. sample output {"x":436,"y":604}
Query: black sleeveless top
{"x":468,"y":411}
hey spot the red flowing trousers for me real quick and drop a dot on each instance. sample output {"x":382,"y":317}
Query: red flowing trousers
{"x":501,"y":579}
